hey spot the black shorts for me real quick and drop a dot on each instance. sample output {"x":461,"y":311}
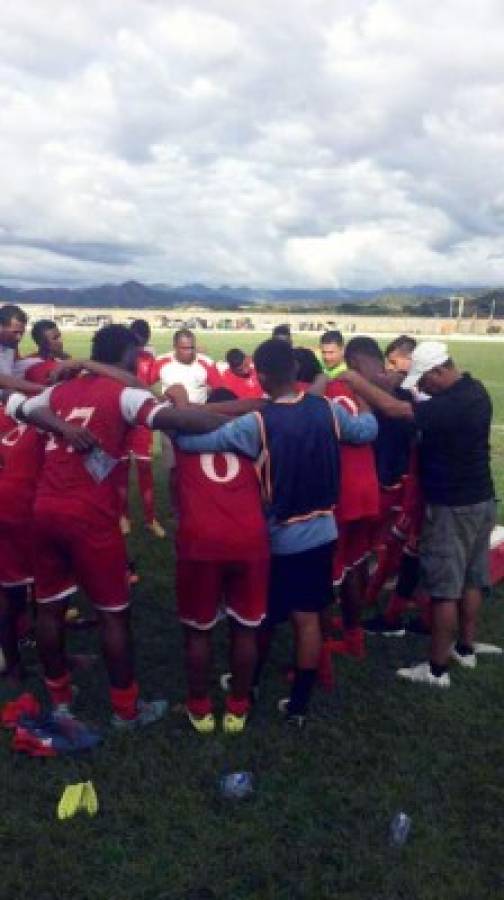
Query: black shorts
{"x":300,"y":582}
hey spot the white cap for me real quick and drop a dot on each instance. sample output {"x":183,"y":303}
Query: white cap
{"x":424,"y":358}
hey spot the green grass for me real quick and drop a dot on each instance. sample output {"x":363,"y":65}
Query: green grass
{"x":316,"y":826}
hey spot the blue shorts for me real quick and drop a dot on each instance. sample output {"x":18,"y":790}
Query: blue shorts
{"x":300,"y":582}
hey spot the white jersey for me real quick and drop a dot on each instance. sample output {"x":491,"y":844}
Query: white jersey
{"x":197,"y":377}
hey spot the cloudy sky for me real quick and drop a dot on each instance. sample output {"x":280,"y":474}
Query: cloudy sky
{"x":342,"y":143}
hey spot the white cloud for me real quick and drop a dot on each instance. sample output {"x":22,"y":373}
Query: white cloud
{"x":353,"y":142}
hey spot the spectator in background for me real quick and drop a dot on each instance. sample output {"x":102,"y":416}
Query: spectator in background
{"x":282,"y":333}
{"x":332,"y":351}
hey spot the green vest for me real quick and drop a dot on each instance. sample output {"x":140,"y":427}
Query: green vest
{"x":335,"y":371}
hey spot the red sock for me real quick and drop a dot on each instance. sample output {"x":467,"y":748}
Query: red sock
{"x":199,"y":706}
{"x":60,"y":689}
{"x":125,"y":700}
{"x":238,"y":707}
{"x":146,"y":487}
{"x":325,"y":672}
{"x":355,"y":641}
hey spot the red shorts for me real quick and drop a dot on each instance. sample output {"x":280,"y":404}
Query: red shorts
{"x":139,"y":443}
{"x":16,"y":545}
{"x":353,"y":546}
{"x":391,"y":507}
{"x":208,"y":589}
{"x":72,"y":551}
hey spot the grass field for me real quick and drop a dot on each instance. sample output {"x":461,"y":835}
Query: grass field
{"x":317,"y":824}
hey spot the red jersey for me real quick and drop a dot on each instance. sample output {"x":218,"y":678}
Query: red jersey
{"x":242,"y":387}
{"x":21,"y":458}
{"x":145,"y":367}
{"x":359,"y":493}
{"x":108,"y":409}
{"x":37,"y":369}
{"x":220,"y":509}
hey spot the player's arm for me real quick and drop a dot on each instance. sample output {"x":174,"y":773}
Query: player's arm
{"x":242,"y":435}
{"x":70,"y":367}
{"x":378,"y":399}
{"x":318,"y":385}
{"x":361,"y":429}
{"x":192,"y":420}
{"x":37,"y":412}
{"x":12,"y":383}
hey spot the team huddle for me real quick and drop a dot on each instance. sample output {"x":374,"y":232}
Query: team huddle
{"x":296,"y":481}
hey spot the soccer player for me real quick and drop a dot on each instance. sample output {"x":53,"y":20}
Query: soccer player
{"x":282,"y":333}
{"x":77,"y":539}
{"x":222,"y":567}
{"x":238,"y":375}
{"x":38,"y":366}
{"x":13,"y":322}
{"x":196,"y":372}
{"x":139,"y":445}
{"x":21,"y":457}
{"x":455,"y":476}
{"x":332,"y":351}
{"x":398,"y":354}
{"x":296,"y":435}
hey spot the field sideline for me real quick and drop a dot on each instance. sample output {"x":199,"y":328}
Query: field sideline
{"x":317,"y":824}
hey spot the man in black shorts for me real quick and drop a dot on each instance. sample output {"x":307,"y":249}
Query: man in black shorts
{"x":454,"y":464}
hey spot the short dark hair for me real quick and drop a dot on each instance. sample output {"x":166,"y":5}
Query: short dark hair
{"x":275,"y":359}
{"x":308,"y":365}
{"x":141,"y":330}
{"x":332,"y":337}
{"x":404,"y":343}
{"x":9,"y":311}
{"x":39,"y":328}
{"x":235,"y":358}
{"x":111,"y":342}
{"x":281,"y":331}
{"x":220,"y":395}
{"x":363,"y":346}
{"x":182,"y":332}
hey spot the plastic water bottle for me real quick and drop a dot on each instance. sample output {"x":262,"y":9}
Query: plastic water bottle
{"x":399,"y":829}
{"x":237,"y":785}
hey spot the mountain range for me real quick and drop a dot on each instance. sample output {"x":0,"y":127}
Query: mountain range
{"x":135,"y":295}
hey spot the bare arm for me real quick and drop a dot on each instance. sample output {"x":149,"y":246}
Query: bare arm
{"x":43,"y":417}
{"x":190,"y":420}
{"x":238,"y":407}
{"x":11,"y":383}
{"x":378,"y":399}
{"x":70,"y":367}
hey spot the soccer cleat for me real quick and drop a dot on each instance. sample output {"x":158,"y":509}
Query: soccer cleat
{"x":25,"y":705}
{"x":202,"y":724}
{"x":423,"y":674}
{"x":379,"y":625}
{"x":156,"y":528}
{"x":232,"y":724}
{"x":54,"y":736}
{"x":487,"y":649}
{"x":148,"y":712}
{"x":467,"y":660}
{"x":295,"y":720}
{"x":225,"y":684}
{"x":125,"y":525}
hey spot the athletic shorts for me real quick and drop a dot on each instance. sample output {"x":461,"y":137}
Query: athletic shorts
{"x":70,"y":552}
{"x":408,"y":524}
{"x":140,"y":442}
{"x":16,"y":565}
{"x":208,"y":590}
{"x":300,"y":582}
{"x":353,"y":546}
{"x":454,"y":548}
